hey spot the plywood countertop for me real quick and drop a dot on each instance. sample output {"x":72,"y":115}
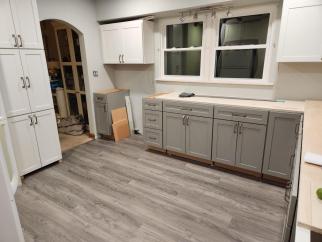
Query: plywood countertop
{"x":111,"y":90}
{"x":284,"y":105}
{"x":309,"y":206}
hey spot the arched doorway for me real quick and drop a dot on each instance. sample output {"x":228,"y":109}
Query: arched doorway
{"x":66,"y":71}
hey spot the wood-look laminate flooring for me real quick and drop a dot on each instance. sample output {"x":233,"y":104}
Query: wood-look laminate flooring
{"x":104,"y":191}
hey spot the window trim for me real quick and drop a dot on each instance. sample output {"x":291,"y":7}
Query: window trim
{"x":172,"y":21}
{"x":210,"y":45}
{"x":268,"y":61}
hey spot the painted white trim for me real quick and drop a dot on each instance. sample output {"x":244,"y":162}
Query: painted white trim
{"x":210,"y":45}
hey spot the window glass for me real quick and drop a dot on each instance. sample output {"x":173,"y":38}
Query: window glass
{"x":69,"y":77}
{"x":81,"y":78}
{"x":182,"y":63}
{"x":73,"y":104}
{"x":77,"y":50}
{"x":184,"y":35}
{"x":245,"y":30}
{"x":63,"y":45}
{"x":247,"y":63}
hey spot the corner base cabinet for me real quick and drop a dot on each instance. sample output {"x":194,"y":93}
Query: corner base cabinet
{"x":35,"y":140}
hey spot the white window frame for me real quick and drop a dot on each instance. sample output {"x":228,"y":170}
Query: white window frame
{"x":184,"y":78}
{"x":268,"y":62}
{"x":210,"y":40}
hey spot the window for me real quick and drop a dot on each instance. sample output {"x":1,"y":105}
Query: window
{"x":182,"y":49}
{"x":235,"y":47}
{"x":241,"y":48}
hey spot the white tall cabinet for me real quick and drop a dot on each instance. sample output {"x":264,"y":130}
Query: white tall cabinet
{"x":301,"y":31}
{"x":19,"y":24}
{"x":25,"y":87}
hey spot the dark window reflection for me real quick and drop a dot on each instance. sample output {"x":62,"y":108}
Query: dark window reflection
{"x":73,"y":106}
{"x":184,"y":35}
{"x":182,"y":63}
{"x":81,"y":78}
{"x":77,"y":50}
{"x":69,"y":77}
{"x":63,"y":45}
{"x":247,"y":30}
{"x":240,"y":63}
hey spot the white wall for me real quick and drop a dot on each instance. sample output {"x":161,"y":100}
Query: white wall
{"x":82,"y":15}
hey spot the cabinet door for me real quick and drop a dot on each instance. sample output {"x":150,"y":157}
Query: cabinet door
{"x":27,"y":24}
{"x":37,"y":79}
{"x":12,"y":85}
{"x":24,"y":144}
{"x":111,"y":44}
{"x":7,"y":28}
{"x":103,"y":124}
{"x":132,"y":44}
{"x":47,"y":137}
{"x":174,"y":132}
{"x":301,"y":35}
{"x":280,"y":144}
{"x":199,"y":137}
{"x":250,"y":146}
{"x":2,"y":110}
{"x":224,"y":141}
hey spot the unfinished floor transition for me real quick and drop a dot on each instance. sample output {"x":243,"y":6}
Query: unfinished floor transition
{"x":104,"y":191}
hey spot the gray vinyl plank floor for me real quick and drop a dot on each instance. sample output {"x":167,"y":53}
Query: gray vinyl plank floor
{"x":104,"y":191}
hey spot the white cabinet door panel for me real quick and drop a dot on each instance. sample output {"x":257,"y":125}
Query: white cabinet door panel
{"x":112,"y":45}
{"x":47,"y":137}
{"x":2,"y":110}
{"x":35,"y":69}
{"x":24,"y":144}
{"x":7,"y":29}
{"x":14,"y":94}
{"x":26,"y":19}
{"x":301,"y":35}
{"x":132,"y":45}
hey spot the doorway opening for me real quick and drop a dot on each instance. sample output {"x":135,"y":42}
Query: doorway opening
{"x":65,"y":68}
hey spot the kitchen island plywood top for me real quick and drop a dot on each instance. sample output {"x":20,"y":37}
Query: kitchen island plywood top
{"x":309,"y":206}
{"x":283,"y":105}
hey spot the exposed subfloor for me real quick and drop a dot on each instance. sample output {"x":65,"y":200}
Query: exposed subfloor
{"x":68,"y":142}
{"x":104,"y":191}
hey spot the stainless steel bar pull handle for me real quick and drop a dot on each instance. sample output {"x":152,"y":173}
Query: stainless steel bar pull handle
{"x":20,"y":38}
{"x":23,"y":82}
{"x":15,"y":39}
{"x":184,"y":120}
{"x":187,"y":120}
{"x":123,"y":59}
{"x":120,"y":58}
{"x":240,"y":129}
{"x":236,"y":128}
{"x":36,"y":119}
{"x":28,"y":80}
{"x":31,"y":120}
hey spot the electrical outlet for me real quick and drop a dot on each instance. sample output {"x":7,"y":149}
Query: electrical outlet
{"x":95,"y":73}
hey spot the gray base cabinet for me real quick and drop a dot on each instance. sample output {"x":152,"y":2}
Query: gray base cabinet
{"x":282,"y":133}
{"x":250,"y":146}
{"x":199,"y":137}
{"x":174,"y":132}
{"x":224,"y":141}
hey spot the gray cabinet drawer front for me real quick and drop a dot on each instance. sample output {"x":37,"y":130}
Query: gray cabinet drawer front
{"x":152,"y":104}
{"x":100,"y":98}
{"x":153,"y":137}
{"x":152,"y":119}
{"x":256,"y":116}
{"x":195,"y":109}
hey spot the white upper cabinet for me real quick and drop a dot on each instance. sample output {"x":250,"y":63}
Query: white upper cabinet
{"x":37,"y":79}
{"x":301,"y":31}
{"x":19,"y":24}
{"x":128,"y":42}
{"x":8,"y":37}
{"x":13,"y":85}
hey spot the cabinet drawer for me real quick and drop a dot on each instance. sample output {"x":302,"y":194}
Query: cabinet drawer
{"x":256,"y":116}
{"x":152,"y":119}
{"x":195,"y":109}
{"x":152,"y":104}
{"x":153,"y":137}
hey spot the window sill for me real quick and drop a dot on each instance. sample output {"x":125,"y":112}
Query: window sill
{"x":221,"y":82}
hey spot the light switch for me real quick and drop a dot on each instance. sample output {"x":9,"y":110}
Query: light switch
{"x":95,"y":73}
